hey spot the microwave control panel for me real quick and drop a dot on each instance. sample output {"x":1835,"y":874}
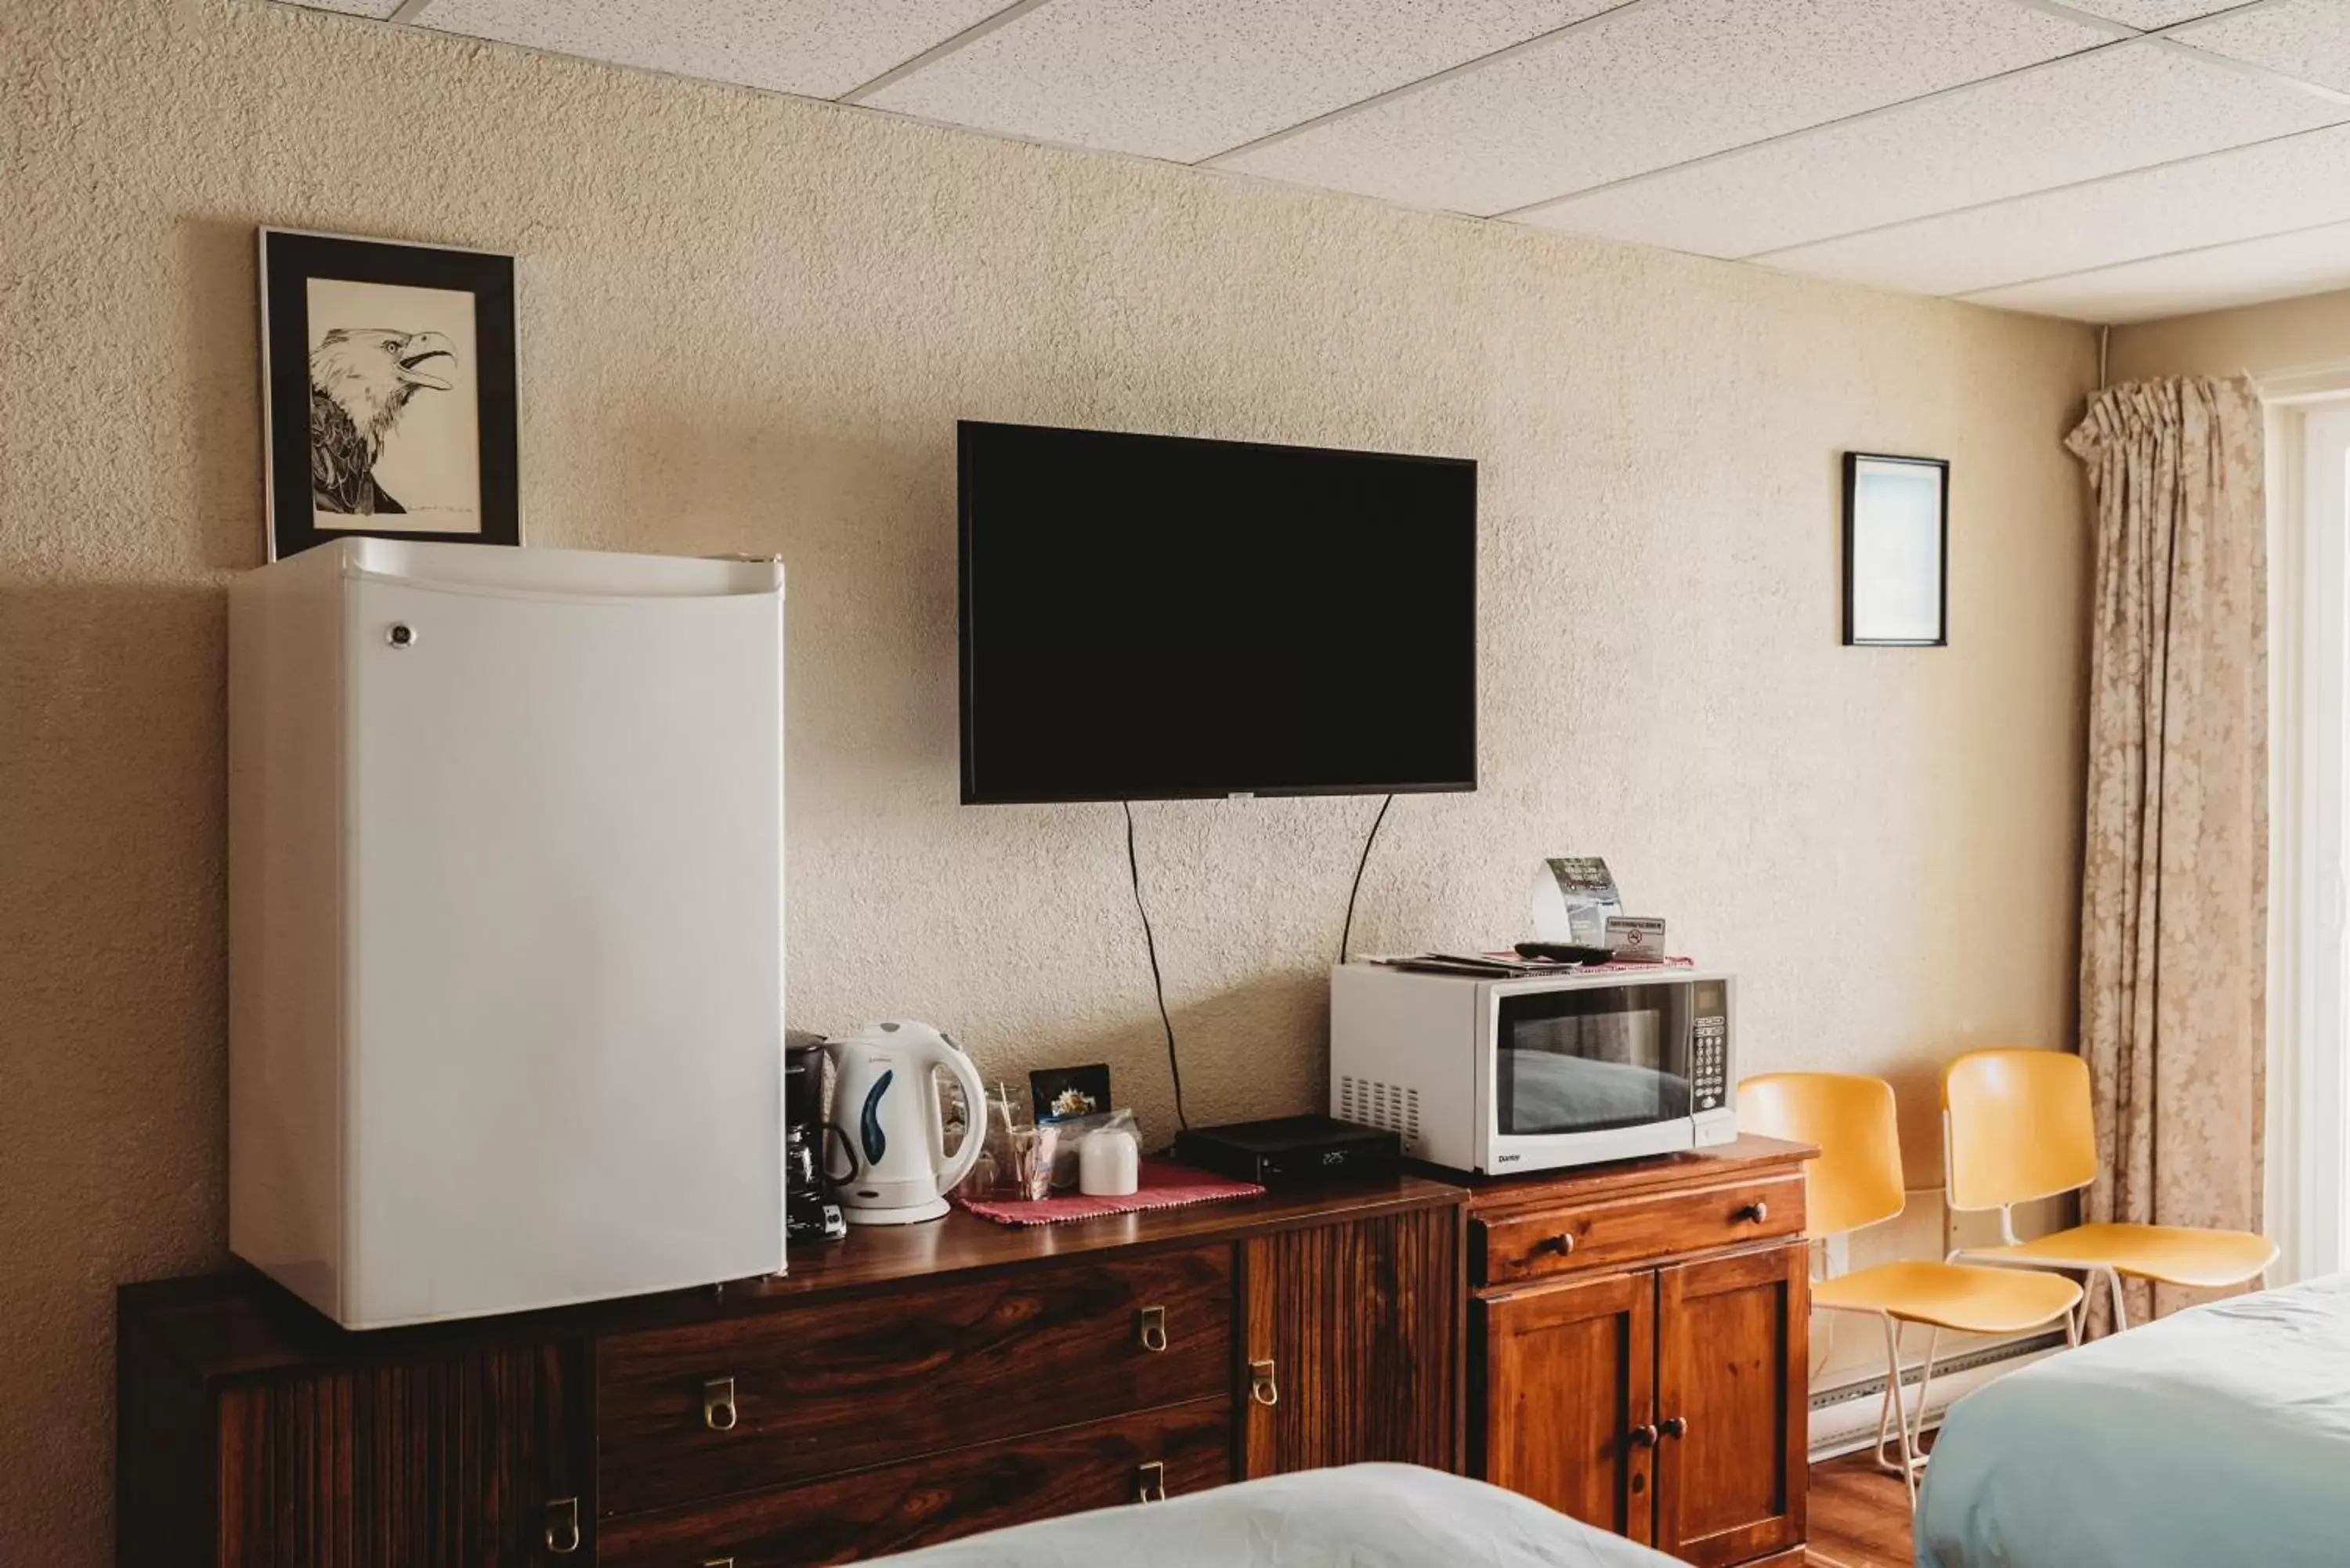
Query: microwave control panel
{"x":1710,"y":1052}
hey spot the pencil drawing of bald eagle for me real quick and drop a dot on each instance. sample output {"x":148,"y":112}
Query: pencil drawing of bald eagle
{"x":360,"y":380}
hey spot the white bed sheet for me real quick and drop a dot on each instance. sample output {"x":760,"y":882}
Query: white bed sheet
{"x":2215,"y":1437}
{"x":1360,"y":1516}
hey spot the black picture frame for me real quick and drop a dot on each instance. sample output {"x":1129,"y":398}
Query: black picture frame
{"x":290,"y":259}
{"x":1862,"y":626}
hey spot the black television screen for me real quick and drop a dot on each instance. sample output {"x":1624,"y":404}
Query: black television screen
{"x":1150,"y":617}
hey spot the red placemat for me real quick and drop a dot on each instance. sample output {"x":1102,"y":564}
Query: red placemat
{"x":1162,"y":1187}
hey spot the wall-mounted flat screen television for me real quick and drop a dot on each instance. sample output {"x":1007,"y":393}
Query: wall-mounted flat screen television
{"x":1155,"y":617}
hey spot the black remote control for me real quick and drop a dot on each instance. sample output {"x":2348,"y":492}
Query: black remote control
{"x":1564,"y":952}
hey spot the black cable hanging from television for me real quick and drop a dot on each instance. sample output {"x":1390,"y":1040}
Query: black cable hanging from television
{"x":1347,"y":933}
{"x":1158,"y":986}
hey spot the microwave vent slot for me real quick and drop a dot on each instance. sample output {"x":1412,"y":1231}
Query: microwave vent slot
{"x":1390,"y":1107}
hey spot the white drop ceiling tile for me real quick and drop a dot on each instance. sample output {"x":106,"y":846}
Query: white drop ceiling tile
{"x":2304,"y":38}
{"x":2268,"y":189}
{"x":2127,"y":107}
{"x":1652,"y":85}
{"x":2151,"y":12}
{"x":381,"y":10}
{"x":1185,"y":78}
{"x":2245,"y":273}
{"x":818,"y":47}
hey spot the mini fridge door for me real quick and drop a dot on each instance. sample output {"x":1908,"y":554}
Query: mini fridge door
{"x":564,"y":847}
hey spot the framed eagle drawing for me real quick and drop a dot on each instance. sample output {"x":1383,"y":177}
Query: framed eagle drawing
{"x":388,"y":392}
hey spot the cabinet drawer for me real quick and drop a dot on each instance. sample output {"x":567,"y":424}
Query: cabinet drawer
{"x":896,"y":1508}
{"x":1535,"y":1243}
{"x":846,"y":1384}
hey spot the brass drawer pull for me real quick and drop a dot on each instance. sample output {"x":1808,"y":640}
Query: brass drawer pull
{"x":1758,"y":1211}
{"x":1154,"y":1328}
{"x":1673,"y":1426}
{"x":563,"y":1526}
{"x":1151,"y":1482}
{"x":718,"y":1412}
{"x":1262,"y":1387}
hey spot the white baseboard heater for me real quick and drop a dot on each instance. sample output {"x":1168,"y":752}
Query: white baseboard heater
{"x":1844,"y":1418}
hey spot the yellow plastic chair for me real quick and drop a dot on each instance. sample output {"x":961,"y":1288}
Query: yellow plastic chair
{"x":1856,"y":1181}
{"x":2017,"y":1126}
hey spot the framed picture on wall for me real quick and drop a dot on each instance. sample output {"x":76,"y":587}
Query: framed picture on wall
{"x":1896,"y":543}
{"x":388,"y":392}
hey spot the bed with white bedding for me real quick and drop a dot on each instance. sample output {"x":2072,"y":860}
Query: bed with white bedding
{"x":2217,"y":1436}
{"x":1360,"y":1516}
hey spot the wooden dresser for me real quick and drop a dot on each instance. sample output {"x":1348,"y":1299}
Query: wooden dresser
{"x":894,"y":1389}
{"x":1639,"y":1347}
{"x":1626,"y":1343}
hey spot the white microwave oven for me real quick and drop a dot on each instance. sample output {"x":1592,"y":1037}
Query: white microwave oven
{"x":1499,"y":1076}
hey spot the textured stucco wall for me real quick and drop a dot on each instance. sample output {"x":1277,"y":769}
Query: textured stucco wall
{"x":2284,"y":334}
{"x":749,"y":323}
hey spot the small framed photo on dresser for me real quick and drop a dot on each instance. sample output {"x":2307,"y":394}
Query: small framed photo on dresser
{"x":1896,"y":542}
{"x":388,"y":392}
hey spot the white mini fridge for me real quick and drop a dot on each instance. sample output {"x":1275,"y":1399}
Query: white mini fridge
{"x":507,"y":940}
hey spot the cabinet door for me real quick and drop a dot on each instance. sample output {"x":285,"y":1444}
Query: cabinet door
{"x":1358,"y":1323}
{"x":1733,"y":1368}
{"x":472,"y":1461}
{"x":1568,"y":1407}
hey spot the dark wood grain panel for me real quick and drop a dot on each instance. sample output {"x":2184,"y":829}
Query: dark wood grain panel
{"x":451,"y":1461}
{"x":1569,"y":1376}
{"x":1521,"y":1245}
{"x":1360,"y":1320}
{"x":896,"y":1508}
{"x":1732,"y":1368}
{"x":163,"y":1445}
{"x":839,"y":1385}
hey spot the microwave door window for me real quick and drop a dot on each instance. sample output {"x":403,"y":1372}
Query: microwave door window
{"x":1567,"y":1066}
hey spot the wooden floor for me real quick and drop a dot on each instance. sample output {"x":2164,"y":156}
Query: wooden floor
{"x":1859,"y":1518}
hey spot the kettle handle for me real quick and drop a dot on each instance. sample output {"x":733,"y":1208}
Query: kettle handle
{"x":974,"y":1114}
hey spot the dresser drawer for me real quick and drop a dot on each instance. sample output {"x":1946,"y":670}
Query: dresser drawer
{"x":1534,"y":1243}
{"x":896,"y":1507}
{"x":785,"y":1396}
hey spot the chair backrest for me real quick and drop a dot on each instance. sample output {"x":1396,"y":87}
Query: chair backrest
{"x":1856,"y":1179}
{"x":2017,"y":1126}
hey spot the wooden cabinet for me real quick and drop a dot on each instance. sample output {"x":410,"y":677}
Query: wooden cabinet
{"x":1639,"y":1352}
{"x":1350,"y":1338}
{"x":901,"y":1388}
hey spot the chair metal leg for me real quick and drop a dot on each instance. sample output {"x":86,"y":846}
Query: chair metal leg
{"x":1908,"y":1465}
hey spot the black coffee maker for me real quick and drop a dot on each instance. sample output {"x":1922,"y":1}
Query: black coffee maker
{"x":809,"y":1215}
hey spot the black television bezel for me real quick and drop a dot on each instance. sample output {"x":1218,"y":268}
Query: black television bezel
{"x":963,"y":659}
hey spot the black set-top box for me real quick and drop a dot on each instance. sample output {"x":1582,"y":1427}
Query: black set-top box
{"x":1287,"y":1150}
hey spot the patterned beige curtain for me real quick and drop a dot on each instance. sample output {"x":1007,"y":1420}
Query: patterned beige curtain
{"x":2174,"y":897}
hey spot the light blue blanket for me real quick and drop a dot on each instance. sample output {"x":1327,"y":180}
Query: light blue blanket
{"x":2220,"y":1436}
{"x":1362,"y":1516}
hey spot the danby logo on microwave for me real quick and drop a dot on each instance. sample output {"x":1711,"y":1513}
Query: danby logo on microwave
{"x":1507,"y":1158}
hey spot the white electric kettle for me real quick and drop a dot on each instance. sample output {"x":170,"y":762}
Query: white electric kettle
{"x":887,"y":1119}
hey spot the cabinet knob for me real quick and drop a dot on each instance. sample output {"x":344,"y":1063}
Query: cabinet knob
{"x":718,"y":1411}
{"x":1151,"y":1482}
{"x":1152,"y":1328}
{"x":1674,"y":1427}
{"x":1563,"y":1243}
{"x":1757,"y":1211}
{"x":1263,"y":1387}
{"x":1644,"y":1437}
{"x":563,"y":1526}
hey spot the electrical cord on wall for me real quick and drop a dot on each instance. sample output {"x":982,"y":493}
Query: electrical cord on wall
{"x":1347,"y":933}
{"x":1158,"y":986}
